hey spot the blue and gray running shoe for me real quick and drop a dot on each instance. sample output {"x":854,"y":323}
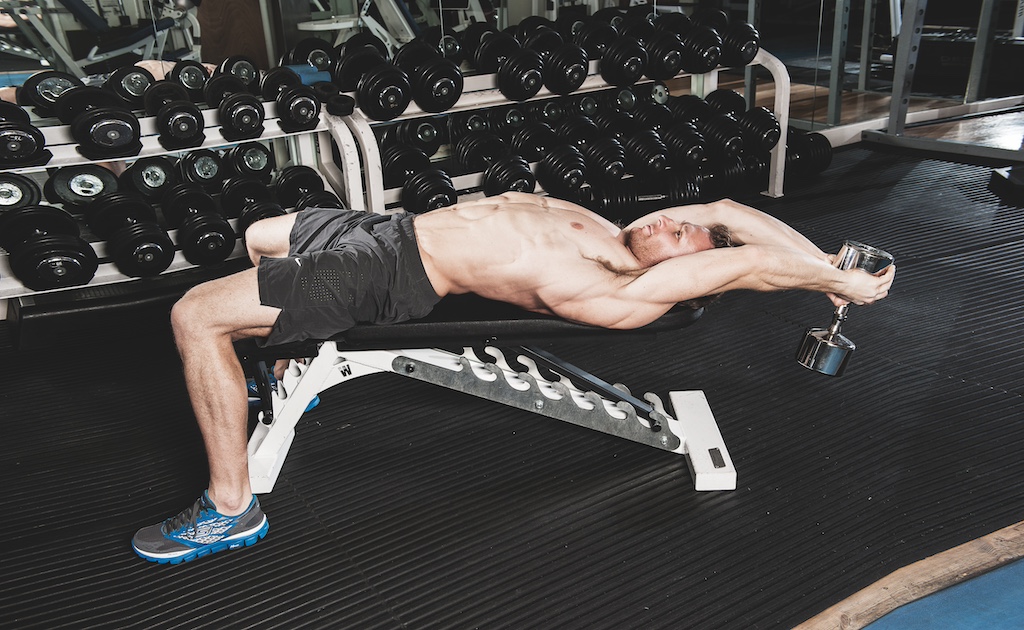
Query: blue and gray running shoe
{"x":254,"y":393}
{"x":200,"y":531}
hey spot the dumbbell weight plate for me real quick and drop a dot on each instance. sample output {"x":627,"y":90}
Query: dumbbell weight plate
{"x":294,"y":181}
{"x":136,"y":244}
{"x":58,"y":259}
{"x":111,"y":211}
{"x":399,"y":162}
{"x":17,"y":226}
{"x":354,"y":64}
{"x":192,"y":76}
{"x":206,"y":239}
{"x":250,"y":159}
{"x":150,"y":176}
{"x":623,"y":62}
{"x":219,"y":87}
{"x":363,"y":38}
{"x":186,"y":199}
{"x":105,"y":132}
{"x":384,"y":92}
{"x":521,"y":75}
{"x":298,"y":109}
{"x":313,"y":51}
{"x":322,"y":199}
{"x":566,"y":69}
{"x":130,"y":84}
{"x":17,"y":191}
{"x":493,"y":50}
{"x":595,"y":37}
{"x":54,"y":262}
{"x":241,"y":117}
{"x":74,"y":102}
{"x":508,"y":173}
{"x":244,"y":68}
{"x":181,"y":125}
{"x":237,"y":192}
{"x":202,"y":166}
{"x":437,"y":85}
{"x":9,"y":112}
{"x":428,"y":190}
{"x":276,"y":80}
{"x":160,"y":93}
{"x":40,"y":91}
{"x":77,"y":186}
{"x":257,"y":211}
{"x":444,"y":41}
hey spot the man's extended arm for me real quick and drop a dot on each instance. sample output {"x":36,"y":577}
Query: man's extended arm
{"x":748,"y":225}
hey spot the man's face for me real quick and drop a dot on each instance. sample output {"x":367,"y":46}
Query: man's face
{"x":665,"y":238}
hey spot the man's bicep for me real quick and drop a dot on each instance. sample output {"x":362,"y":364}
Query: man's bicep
{"x":693,"y":276}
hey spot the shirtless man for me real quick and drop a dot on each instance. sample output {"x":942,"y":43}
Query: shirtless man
{"x":538,"y":253}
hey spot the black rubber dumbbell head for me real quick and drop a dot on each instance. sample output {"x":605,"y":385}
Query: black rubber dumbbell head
{"x":17,"y":191}
{"x":150,"y":176}
{"x":135,"y":242}
{"x":44,"y":247}
{"x":78,"y":185}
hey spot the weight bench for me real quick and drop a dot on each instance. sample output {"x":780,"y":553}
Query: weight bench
{"x":147,"y":40}
{"x":541,"y":383}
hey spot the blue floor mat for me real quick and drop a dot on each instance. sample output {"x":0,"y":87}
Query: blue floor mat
{"x":992,"y":601}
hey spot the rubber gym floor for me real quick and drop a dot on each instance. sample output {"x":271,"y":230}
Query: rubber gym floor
{"x":402,"y":505}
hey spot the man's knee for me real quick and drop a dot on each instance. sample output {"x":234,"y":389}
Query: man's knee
{"x":269,"y":238}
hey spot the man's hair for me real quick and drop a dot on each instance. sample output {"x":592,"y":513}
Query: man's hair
{"x":721,"y":236}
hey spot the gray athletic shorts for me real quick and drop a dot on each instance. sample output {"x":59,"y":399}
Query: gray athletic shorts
{"x":345,"y":268}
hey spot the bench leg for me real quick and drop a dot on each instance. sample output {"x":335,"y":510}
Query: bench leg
{"x":693,"y":431}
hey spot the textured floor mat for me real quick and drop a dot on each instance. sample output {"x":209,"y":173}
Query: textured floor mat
{"x":403,"y":505}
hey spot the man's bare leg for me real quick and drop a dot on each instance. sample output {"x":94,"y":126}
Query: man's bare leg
{"x":206,"y":321}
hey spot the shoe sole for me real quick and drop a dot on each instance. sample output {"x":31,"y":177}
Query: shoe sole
{"x":244,"y":540}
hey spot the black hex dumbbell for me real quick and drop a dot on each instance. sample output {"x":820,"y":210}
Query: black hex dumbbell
{"x":45,"y":249}
{"x":138,"y":246}
{"x":17,"y":191}
{"x":204,"y":235}
{"x":100,"y":121}
{"x":76,"y":186}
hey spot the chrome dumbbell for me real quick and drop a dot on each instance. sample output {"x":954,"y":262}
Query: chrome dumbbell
{"x":827,"y":350}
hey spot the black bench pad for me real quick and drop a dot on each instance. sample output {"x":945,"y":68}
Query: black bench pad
{"x":469,"y":320}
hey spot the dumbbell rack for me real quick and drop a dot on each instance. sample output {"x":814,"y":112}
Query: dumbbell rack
{"x":294,"y":148}
{"x":480,"y":92}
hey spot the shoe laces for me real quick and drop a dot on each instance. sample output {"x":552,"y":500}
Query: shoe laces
{"x":189,"y":516}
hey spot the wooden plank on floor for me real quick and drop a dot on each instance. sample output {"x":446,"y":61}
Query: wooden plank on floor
{"x":921,"y":579}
